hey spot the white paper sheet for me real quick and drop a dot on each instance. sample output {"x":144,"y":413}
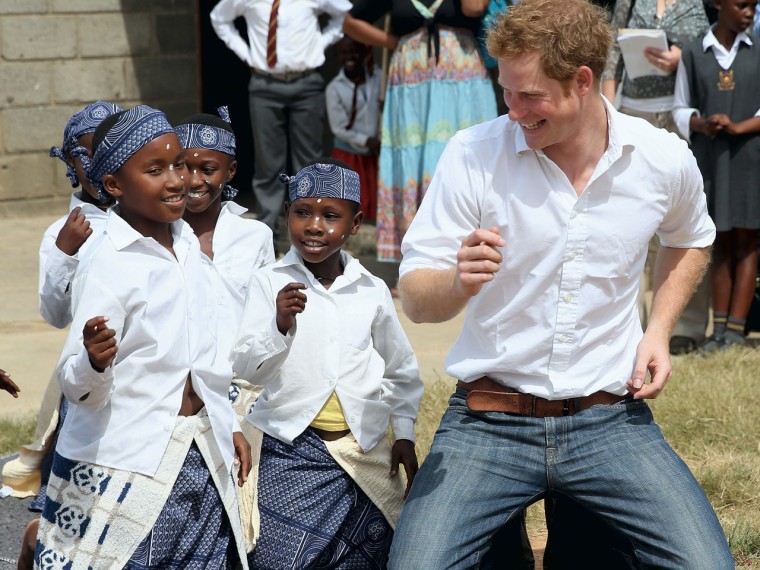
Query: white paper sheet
{"x":632,"y":43}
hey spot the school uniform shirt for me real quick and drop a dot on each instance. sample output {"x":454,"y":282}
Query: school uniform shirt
{"x":682,"y":111}
{"x":163,"y":310}
{"x":339,"y":97}
{"x":300,"y":42}
{"x":240,"y":247}
{"x":559,"y":319}
{"x":57,"y":269}
{"x":348,"y":340}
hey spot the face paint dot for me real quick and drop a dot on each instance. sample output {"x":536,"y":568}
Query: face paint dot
{"x":168,"y":146}
{"x":319,"y":200}
{"x":316,"y":218}
{"x":207,"y":182}
{"x":342,"y":236}
{"x":171,"y":167}
{"x":195,"y":172}
{"x":195,"y":154}
{"x":330,"y":231}
{"x":181,"y":177}
{"x":221,"y":186}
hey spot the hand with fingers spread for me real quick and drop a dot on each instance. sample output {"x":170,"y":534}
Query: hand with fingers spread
{"x":290,"y":302}
{"x":100,"y":342}
{"x":8,"y":385}
{"x":242,"y":456}
{"x":74,"y":232}
{"x":653,"y":356}
{"x":403,"y":452}
{"x":478,"y":260}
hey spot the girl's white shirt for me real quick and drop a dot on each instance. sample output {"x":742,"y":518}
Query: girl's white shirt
{"x":240,"y":247}
{"x":348,"y":340}
{"x":163,"y":309}
{"x":57,"y":269}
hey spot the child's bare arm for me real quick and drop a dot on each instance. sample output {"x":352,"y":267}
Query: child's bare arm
{"x":8,"y":385}
{"x":403,"y":452}
{"x":709,"y":126}
{"x":745,"y":127}
{"x":100,"y":342}
{"x":74,"y":232}
{"x":242,"y":456}
{"x":290,"y":302}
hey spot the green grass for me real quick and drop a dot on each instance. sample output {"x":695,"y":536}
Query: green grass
{"x":708,"y":413}
{"x":14,"y":433}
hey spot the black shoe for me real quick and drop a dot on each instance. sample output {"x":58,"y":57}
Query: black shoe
{"x":682,"y":345}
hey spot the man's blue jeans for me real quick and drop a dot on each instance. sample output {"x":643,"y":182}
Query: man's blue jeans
{"x":484,"y":468}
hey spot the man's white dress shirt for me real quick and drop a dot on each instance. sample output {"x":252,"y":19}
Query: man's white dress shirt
{"x":348,"y":340}
{"x":164,"y":312}
{"x":560,"y":318}
{"x":300,"y":42}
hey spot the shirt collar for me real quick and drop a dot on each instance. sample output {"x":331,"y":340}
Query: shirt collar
{"x":123,"y":235}
{"x":710,"y":41}
{"x":353,"y":270}
{"x":233,"y":208}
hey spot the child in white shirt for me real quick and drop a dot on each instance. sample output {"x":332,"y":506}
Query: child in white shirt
{"x":336,"y":370}
{"x":142,"y":472}
{"x":236,"y":246}
{"x":353,"y":109}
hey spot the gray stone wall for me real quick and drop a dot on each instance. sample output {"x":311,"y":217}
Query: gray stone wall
{"x":56,"y":56}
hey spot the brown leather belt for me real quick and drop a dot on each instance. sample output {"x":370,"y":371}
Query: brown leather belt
{"x":486,"y":395}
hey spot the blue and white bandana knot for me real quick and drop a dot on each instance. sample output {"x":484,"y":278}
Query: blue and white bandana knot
{"x":323,"y":180}
{"x":82,"y":122}
{"x":133,"y":130}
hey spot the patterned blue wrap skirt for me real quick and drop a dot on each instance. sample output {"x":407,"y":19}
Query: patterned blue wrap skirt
{"x":313,"y":515}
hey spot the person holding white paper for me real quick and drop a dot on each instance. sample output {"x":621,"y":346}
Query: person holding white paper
{"x":651,"y":98}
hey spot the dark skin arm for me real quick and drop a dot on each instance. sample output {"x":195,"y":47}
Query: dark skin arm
{"x":242,"y":456}
{"x":8,"y":385}
{"x":726,"y":125}
{"x":74,"y":232}
{"x":403,"y":452}
{"x":373,"y":144}
{"x":290,"y":302}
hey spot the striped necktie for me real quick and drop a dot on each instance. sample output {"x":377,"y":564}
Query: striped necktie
{"x":272,"y":35}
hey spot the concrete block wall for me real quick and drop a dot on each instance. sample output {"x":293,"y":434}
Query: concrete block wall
{"x":56,"y":56}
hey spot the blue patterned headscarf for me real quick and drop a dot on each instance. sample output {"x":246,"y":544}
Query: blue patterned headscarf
{"x":82,"y":122}
{"x":323,"y":180}
{"x":133,"y":130}
{"x":194,"y":134}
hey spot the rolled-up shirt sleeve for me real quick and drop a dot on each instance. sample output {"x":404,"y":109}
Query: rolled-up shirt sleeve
{"x":449,"y":212}
{"x":687,"y":223}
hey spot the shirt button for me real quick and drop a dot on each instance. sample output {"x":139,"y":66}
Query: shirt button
{"x":166,"y":428}
{"x":571,"y":256}
{"x":568,"y":298}
{"x":352,"y":418}
{"x":573,"y":213}
{"x":563,"y":338}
